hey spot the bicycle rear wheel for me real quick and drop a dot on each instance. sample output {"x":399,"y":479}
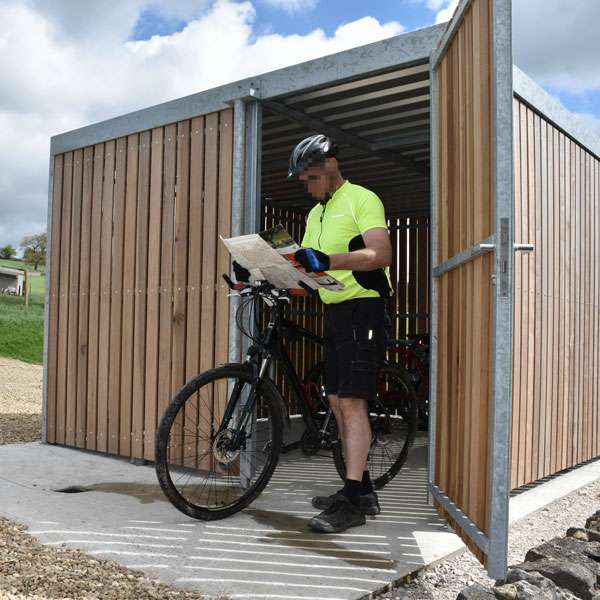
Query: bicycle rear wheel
{"x":199,"y":468}
{"x":393,"y":416}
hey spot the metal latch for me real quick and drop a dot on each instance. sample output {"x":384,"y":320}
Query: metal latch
{"x":487,"y":246}
{"x":524,"y":247}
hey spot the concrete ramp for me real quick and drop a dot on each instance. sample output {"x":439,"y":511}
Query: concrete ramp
{"x":266,"y":551}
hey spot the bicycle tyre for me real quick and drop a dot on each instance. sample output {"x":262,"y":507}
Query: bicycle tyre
{"x":272,"y":404}
{"x":409,"y":409}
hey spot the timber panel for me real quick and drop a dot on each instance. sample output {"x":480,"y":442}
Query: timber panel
{"x":136,"y":300}
{"x":466,"y":213}
{"x":556,"y":320}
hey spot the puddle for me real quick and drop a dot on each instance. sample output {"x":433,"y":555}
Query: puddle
{"x":144,"y":492}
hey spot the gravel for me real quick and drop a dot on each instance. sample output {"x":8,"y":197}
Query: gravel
{"x":20,"y":401}
{"x":30,"y":570}
{"x":445,"y":580}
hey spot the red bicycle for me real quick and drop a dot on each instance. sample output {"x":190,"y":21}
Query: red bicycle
{"x":413,"y":355}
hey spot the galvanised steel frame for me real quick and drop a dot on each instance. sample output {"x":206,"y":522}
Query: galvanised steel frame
{"x":495,"y":544}
{"x":414,"y":47}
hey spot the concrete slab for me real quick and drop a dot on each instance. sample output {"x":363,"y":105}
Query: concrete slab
{"x":540,"y":494}
{"x":266,"y":551}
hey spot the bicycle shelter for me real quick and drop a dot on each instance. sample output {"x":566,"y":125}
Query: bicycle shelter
{"x":473,"y":162}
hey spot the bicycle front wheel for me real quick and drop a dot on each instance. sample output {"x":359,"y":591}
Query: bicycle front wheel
{"x":208,"y":471}
{"x":393,"y":417}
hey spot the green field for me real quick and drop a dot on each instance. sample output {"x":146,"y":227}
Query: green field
{"x":17,"y":264}
{"x":21,"y":327}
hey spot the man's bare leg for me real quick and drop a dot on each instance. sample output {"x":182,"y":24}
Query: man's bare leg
{"x":334,"y":402}
{"x":357,"y":436}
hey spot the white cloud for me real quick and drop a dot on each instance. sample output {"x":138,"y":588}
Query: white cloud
{"x":293,"y":6}
{"x":63,"y":68}
{"x":435,"y":4}
{"x":446,"y":13}
{"x":557,"y":43}
{"x":591,"y":122}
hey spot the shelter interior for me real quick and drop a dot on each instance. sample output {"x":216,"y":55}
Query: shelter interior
{"x":381,"y":123}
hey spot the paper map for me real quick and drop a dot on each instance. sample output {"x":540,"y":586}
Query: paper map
{"x":269,"y":256}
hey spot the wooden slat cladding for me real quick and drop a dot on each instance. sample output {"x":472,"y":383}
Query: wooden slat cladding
{"x":409,"y":272}
{"x":135,"y":259}
{"x":557,"y":304}
{"x":466,"y":212}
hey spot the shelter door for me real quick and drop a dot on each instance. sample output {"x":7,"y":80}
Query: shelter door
{"x":472,"y":277}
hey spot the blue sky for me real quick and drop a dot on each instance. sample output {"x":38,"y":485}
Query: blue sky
{"x":331,"y":14}
{"x":328,"y":16}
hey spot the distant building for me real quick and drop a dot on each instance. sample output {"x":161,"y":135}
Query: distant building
{"x":11,"y":281}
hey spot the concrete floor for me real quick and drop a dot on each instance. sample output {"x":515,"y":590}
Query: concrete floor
{"x":266,"y":551}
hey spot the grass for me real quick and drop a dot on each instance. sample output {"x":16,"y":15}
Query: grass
{"x":21,"y":327}
{"x":18,"y":264}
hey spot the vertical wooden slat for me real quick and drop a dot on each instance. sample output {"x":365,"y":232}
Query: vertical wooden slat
{"x":142,"y":242}
{"x":412,"y":276}
{"x":84,"y":297}
{"x":554,"y":275}
{"x":422,"y":276}
{"x":543,"y":252}
{"x":403,"y":270}
{"x":64,"y":293}
{"x":563,"y":308}
{"x":94,"y":311}
{"x":195,"y":258}
{"x":180,"y":260}
{"x":54,"y":295}
{"x":116,"y":304}
{"x":209,"y":240}
{"x":165,"y":342}
{"x":129,"y":296}
{"x":224,"y":230}
{"x":152,"y":307}
{"x":71,"y":399}
{"x":105,"y":296}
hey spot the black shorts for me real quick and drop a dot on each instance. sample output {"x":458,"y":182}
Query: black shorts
{"x":354,"y":346}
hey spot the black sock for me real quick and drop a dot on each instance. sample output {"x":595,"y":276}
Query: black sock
{"x":352,"y":490}
{"x":367,"y":484}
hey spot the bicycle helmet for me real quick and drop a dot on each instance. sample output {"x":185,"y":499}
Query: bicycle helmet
{"x":311,"y":149}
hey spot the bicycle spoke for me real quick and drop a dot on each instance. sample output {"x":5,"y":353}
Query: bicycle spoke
{"x":205,"y":468}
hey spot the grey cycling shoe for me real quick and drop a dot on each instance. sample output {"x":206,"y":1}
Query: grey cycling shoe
{"x":368,"y":503}
{"x":339,"y":516}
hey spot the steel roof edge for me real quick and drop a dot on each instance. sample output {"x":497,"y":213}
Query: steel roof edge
{"x":413,"y":46}
{"x":550,"y":108}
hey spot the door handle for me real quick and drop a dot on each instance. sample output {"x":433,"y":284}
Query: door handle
{"x":524,"y":247}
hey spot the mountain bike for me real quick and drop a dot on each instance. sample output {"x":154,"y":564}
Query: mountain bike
{"x":221,"y":436}
{"x":413,"y":355}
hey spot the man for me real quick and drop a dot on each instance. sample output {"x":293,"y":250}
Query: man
{"x":347,"y":236}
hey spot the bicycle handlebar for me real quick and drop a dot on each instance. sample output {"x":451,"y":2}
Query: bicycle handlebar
{"x":265,"y":286}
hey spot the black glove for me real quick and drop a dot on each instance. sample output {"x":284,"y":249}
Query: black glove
{"x":312,"y":260}
{"x":242,"y":275}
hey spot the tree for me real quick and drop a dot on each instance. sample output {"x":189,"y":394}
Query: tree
{"x":34,"y":249}
{"x":7,"y":252}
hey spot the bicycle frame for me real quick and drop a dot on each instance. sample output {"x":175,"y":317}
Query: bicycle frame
{"x":267,"y":348}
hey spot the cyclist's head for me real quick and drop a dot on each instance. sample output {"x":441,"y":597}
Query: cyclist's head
{"x":314,"y":161}
{"x":312,"y":151}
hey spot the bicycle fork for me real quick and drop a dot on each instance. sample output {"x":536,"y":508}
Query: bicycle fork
{"x":248,"y":408}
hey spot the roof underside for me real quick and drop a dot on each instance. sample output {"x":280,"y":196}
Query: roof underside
{"x":381,"y":123}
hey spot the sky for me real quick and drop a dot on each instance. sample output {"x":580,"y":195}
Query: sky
{"x":69,"y":63}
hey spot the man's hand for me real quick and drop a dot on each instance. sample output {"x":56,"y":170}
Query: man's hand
{"x":312,"y":260}
{"x":242,"y":275}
